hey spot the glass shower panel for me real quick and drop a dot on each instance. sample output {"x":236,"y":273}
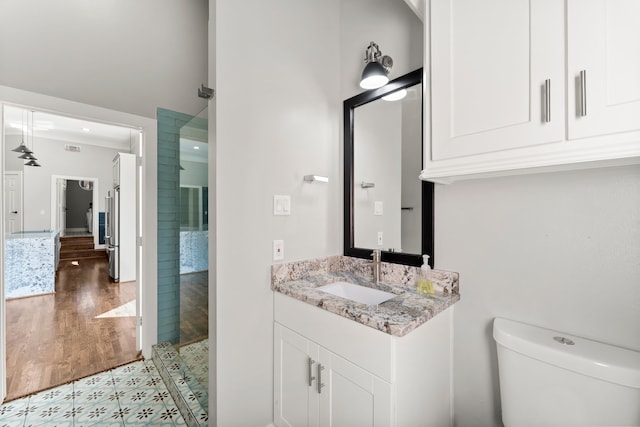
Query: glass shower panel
{"x":194,"y":239}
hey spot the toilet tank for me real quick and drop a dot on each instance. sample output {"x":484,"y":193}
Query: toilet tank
{"x":549,"y":378}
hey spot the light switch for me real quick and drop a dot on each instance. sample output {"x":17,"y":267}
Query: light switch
{"x":379,"y":238}
{"x":278,"y":250}
{"x":377,"y":208}
{"x":282,"y":204}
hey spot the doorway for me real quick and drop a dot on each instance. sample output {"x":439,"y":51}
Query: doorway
{"x":72,"y":207}
{"x":12,"y":201}
{"x":74,"y":156}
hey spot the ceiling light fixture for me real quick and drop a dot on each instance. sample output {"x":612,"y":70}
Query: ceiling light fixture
{"x":32,"y":161}
{"x":22,"y":148}
{"x":378,"y":66}
{"x":28,"y":156}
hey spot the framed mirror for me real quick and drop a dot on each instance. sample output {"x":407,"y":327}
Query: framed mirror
{"x":386,"y":205}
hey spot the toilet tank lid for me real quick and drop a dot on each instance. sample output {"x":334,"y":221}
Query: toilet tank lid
{"x":592,"y":358}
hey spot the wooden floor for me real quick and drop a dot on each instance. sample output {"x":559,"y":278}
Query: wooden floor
{"x":54,"y":339}
{"x":194,"y":303}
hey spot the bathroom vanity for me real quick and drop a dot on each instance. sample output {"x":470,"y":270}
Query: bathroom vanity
{"x":340,"y":362}
{"x":31,"y":260}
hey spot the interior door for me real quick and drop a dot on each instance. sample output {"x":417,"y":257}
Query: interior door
{"x":61,"y":204}
{"x":13,"y":201}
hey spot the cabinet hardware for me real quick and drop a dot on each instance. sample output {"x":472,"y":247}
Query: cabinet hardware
{"x":547,"y":100}
{"x":320,"y":383}
{"x":583,"y":93}
{"x":310,"y":371}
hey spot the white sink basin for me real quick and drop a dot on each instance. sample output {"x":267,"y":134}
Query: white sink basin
{"x":357,"y":293}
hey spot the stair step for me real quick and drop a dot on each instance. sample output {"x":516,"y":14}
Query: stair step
{"x":76,"y":247}
{"x":79,"y":247}
{"x":72,"y":255}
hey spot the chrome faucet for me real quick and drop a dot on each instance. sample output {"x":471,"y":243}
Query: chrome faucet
{"x":375,"y":264}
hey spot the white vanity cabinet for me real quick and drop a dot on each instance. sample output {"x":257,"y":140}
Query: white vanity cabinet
{"x":370,"y":378}
{"x":315,"y":387}
{"x":517,"y":86}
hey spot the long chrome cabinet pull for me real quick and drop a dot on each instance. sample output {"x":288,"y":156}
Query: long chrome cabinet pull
{"x":583,"y":93}
{"x":547,"y":100}
{"x":320,"y":383}
{"x":310,"y":371}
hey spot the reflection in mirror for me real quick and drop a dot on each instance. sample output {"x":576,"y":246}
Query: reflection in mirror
{"x":387,"y":151}
{"x":387,"y":207}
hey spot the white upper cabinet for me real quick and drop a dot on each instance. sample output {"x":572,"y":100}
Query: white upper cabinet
{"x":493,"y":64}
{"x":603,"y":64}
{"x":522,"y":86}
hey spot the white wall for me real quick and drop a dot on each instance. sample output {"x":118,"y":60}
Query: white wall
{"x":278,"y":112}
{"x":91,"y":162}
{"x":131,"y":56}
{"x":558,"y":250}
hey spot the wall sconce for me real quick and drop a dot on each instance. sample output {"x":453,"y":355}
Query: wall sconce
{"x":318,"y":178}
{"x":378,"y":66}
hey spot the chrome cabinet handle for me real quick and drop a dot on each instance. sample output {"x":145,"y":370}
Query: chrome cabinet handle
{"x":583,"y":93}
{"x":547,"y":100}
{"x":14,"y":212}
{"x":320,"y":383}
{"x":310,"y":372}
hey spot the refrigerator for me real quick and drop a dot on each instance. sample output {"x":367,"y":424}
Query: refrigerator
{"x":112,"y":236}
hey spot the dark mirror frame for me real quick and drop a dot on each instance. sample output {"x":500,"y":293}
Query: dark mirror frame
{"x":349,"y":106}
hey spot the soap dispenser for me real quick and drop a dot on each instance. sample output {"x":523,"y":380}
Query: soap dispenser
{"x":424,"y":285}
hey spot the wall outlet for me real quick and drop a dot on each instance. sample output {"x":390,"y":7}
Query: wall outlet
{"x":278,"y":250}
{"x":379,"y":238}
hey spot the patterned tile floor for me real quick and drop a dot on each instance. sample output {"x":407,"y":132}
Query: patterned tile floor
{"x":196,"y":357}
{"x":131,"y":395}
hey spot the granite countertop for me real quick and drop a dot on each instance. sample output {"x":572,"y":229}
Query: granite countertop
{"x":32,"y":234}
{"x":397,"y":316}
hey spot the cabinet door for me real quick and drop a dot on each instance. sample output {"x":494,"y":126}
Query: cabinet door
{"x":604,"y":43}
{"x":489,"y":63}
{"x":295,"y":401}
{"x":352,"y":396}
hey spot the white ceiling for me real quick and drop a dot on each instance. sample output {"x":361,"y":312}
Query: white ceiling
{"x":76,"y":131}
{"x":39,"y":124}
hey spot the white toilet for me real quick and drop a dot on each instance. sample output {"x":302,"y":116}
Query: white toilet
{"x":548,"y":378}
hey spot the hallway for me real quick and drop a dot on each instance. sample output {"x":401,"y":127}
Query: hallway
{"x":86,"y":327}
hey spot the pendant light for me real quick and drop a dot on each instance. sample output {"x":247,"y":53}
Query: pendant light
{"x":22,"y":148}
{"x":28,"y":156}
{"x":32,"y":161}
